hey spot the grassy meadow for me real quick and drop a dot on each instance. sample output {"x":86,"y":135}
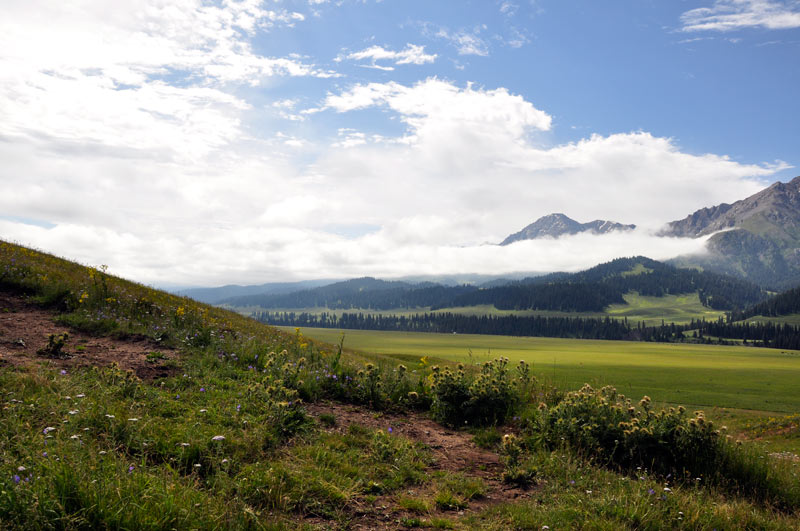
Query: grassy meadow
{"x":228,"y":438}
{"x":697,"y":375}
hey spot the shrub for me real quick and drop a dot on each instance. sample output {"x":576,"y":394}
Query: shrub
{"x":608,"y":427}
{"x":484,"y":399}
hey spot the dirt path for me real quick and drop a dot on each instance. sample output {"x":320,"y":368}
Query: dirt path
{"x":25,"y":329}
{"x":453,"y":451}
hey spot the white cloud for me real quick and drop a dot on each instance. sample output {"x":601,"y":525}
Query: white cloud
{"x":412,"y":54}
{"x":465,"y":41}
{"x":509,"y":9}
{"x":729,"y":15}
{"x":89,"y":76}
{"x":437,"y":109}
{"x":123,"y":134}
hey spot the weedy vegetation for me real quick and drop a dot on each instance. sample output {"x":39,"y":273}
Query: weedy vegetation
{"x":227,"y":441}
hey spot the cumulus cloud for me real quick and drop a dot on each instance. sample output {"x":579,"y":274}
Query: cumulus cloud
{"x":438,"y":109}
{"x":413,"y":54}
{"x":123,"y":142}
{"x":729,"y":15}
{"x":92,"y":78}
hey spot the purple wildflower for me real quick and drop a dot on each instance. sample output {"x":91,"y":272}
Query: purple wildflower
{"x":16,"y":479}
{"x":63,"y":371}
{"x":130,"y":469}
{"x":238,"y":407}
{"x":651,"y":492}
{"x":390,"y":429}
{"x":202,"y":389}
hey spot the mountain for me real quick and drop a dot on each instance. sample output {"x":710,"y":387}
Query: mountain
{"x":336,"y":295}
{"x":757,"y":238}
{"x":588,"y":291}
{"x":215,"y":295}
{"x":556,"y":225}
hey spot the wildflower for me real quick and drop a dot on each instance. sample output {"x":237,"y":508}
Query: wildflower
{"x":109,"y":416}
{"x":651,"y":492}
{"x":63,"y":371}
{"x":48,"y":430}
{"x":73,"y":411}
{"x":390,"y":429}
{"x":203,"y":410}
{"x":238,"y":407}
{"x":202,"y":389}
{"x":16,"y":479}
{"x":133,"y":420}
{"x":218,"y":438}
{"x":130,"y":469}
{"x":667,"y":489}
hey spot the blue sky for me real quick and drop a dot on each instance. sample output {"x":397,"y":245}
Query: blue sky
{"x":204,"y":143}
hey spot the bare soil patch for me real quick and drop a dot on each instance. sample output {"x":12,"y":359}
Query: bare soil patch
{"x":25,"y":329}
{"x":453,"y":451}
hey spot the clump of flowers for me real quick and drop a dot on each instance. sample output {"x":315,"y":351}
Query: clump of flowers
{"x":515,"y":471}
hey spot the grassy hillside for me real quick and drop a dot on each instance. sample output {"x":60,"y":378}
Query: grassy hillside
{"x":253,"y":428}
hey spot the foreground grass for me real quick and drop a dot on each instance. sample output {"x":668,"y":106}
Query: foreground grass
{"x":94,"y":449}
{"x":697,"y":375}
{"x":576,"y":495}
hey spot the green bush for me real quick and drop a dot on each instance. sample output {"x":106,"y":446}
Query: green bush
{"x":610,"y":429}
{"x":463,"y":398}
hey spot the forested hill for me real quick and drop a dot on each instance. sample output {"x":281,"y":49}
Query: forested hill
{"x":588,"y":291}
{"x":785,"y":303}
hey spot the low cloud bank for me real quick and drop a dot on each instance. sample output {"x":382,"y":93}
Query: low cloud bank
{"x":252,"y":257}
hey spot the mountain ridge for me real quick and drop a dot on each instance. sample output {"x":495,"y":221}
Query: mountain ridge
{"x":558,"y":224}
{"x":757,"y":237}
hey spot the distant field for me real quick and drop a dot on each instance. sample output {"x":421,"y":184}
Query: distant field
{"x":696,"y":375}
{"x":793,"y":319}
{"x":678,"y":309}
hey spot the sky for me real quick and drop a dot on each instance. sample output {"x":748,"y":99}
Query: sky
{"x":202,"y":143}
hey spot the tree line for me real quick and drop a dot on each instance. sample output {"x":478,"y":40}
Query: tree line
{"x":697,"y":331}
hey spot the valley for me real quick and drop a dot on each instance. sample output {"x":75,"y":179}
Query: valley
{"x":698,"y":376}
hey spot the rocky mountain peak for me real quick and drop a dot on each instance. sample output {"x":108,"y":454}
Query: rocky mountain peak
{"x":556,"y":225}
{"x":779,"y":204}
